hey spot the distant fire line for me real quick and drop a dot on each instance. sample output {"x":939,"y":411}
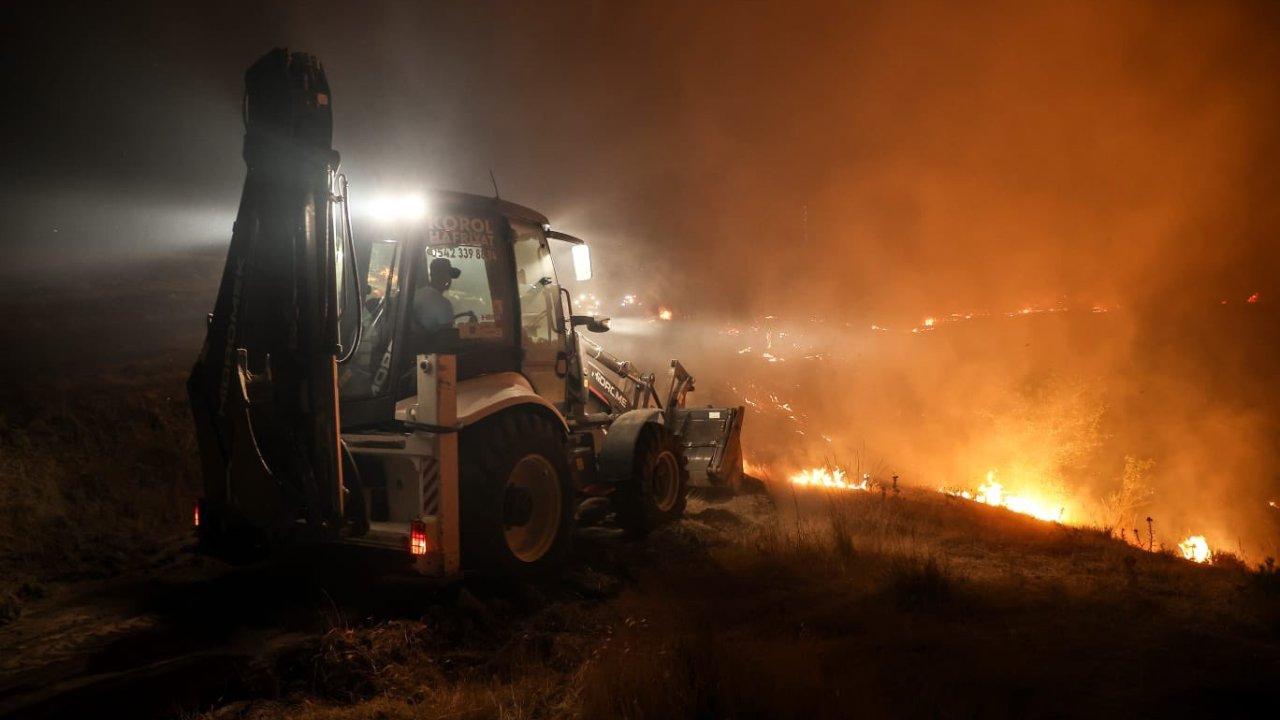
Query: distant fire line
{"x":1194,"y":548}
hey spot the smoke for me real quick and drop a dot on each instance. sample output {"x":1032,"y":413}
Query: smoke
{"x":842,"y":166}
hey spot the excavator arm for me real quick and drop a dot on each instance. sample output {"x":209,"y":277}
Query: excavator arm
{"x":264,"y":387}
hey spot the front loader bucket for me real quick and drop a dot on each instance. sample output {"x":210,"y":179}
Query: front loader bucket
{"x":712,"y":440}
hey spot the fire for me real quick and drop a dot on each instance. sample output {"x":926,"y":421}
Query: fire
{"x":828,"y":478}
{"x":664,"y":314}
{"x":754,"y":469}
{"x":1196,"y":549}
{"x":992,"y":492}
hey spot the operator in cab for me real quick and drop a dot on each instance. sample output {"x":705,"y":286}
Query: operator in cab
{"x":432,"y":310}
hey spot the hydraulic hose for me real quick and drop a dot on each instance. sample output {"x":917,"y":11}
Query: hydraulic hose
{"x":350,"y":250}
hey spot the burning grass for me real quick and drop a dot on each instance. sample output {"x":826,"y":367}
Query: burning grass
{"x":1047,"y":506}
{"x":992,"y":492}
{"x":829,"y":478}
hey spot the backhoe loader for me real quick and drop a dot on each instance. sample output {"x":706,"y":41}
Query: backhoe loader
{"x":421,"y":394}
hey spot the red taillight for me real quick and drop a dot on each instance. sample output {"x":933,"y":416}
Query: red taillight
{"x":196,"y":520}
{"x":417,"y":538}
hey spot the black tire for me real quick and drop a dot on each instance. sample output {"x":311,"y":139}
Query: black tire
{"x":658,"y":489}
{"x":514,"y":469}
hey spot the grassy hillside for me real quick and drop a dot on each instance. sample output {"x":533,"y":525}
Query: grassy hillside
{"x":799,"y":604}
{"x":910,"y":606}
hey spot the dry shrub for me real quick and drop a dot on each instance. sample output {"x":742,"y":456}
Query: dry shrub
{"x":344,"y":668}
{"x":1122,"y":508}
{"x":1267,"y":577}
{"x":1228,"y":559}
{"x":348,"y":665}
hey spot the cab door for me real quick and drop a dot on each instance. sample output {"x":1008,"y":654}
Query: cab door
{"x":545,"y":361}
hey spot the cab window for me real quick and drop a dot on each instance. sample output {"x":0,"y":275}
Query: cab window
{"x":366,"y":373}
{"x":538,"y":296}
{"x":460,"y":279}
{"x":535,"y":285}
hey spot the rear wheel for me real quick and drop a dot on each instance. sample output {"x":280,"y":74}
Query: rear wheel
{"x":657,"y":490}
{"x":516,"y":494}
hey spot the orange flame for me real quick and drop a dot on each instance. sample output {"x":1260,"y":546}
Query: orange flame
{"x":833,"y":478}
{"x":1196,"y":549}
{"x":755,"y":470}
{"x":992,"y":492}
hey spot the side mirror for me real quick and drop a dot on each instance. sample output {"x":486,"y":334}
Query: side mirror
{"x":594,"y":324}
{"x":581,"y":262}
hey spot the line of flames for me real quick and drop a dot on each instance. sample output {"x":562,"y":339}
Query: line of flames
{"x":992,"y":492}
{"x":833,"y":478}
{"x":1194,"y":548}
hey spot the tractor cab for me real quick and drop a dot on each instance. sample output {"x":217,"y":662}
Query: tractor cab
{"x":470,"y":276}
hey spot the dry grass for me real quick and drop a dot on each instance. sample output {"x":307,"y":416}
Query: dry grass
{"x":848,"y":606}
{"x":93,"y":482}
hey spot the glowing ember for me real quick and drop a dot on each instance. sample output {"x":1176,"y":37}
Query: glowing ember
{"x":1253,"y":298}
{"x":928,"y":322}
{"x":1196,"y":549}
{"x":828,"y":478}
{"x":992,"y":493}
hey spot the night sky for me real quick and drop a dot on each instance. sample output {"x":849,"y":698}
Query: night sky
{"x":909,"y":156}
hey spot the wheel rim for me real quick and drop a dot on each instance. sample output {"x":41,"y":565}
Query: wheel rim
{"x":533,"y":478}
{"x":666,"y":481}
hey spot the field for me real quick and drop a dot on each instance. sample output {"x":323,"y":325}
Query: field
{"x":783,"y":604}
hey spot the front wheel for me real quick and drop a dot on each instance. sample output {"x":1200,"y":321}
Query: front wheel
{"x":657,"y":491}
{"x":517,"y":496}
